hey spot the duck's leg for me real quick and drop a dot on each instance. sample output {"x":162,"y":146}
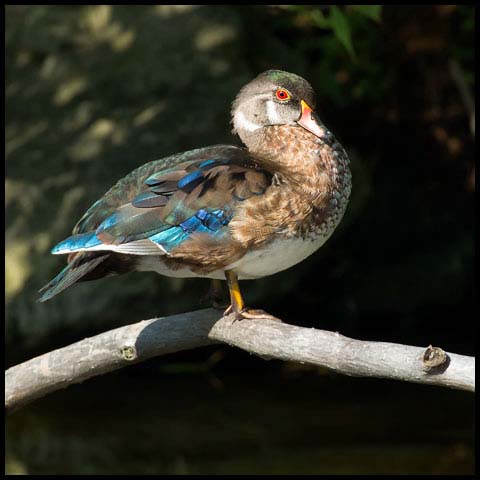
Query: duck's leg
{"x":216,"y":294}
{"x":237,"y":304}
{"x":214,"y":297}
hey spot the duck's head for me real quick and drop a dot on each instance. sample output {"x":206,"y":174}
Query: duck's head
{"x":274,"y":98}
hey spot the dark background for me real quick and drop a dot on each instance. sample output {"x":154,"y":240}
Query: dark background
{"x":93,"y":92}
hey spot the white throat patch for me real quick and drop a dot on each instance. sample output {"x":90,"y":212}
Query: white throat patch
{"x":272,"y":113}
{"x":241,"y":121}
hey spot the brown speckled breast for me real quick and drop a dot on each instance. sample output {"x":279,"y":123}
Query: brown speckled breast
{"x":309,"y":192}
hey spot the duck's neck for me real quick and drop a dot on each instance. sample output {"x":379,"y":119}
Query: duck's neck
{"x":316,"y":167}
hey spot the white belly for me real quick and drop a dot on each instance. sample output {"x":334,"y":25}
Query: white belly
{"x":275,"y":257}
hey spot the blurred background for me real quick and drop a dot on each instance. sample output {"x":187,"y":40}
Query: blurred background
{"x":92,"y":92}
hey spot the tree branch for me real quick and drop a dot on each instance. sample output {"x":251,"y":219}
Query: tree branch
{"x":269,"y":339}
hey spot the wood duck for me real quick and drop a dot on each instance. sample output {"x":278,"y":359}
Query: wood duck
{"x":222,"y":212}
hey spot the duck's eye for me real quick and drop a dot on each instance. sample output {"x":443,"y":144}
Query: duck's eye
{"x":282,"y":95}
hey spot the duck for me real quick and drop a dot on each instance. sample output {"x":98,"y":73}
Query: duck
{"x":222,"y":212}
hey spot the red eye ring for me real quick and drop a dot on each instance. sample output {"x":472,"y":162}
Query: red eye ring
{"x":282,"y":95}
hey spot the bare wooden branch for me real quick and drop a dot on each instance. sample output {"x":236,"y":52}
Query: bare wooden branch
{"x":269,"y":339}
{"x":104,"y":353}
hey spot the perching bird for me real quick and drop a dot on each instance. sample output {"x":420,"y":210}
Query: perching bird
{"x":222,"y":211}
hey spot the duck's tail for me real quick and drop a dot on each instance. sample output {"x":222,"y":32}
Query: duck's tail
{"x":81,"y":265}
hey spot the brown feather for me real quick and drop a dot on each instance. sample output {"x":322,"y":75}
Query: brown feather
{"x":309,"y":173}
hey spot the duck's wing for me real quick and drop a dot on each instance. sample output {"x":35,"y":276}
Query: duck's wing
{"x":163,"y":204}
{"x":154,"y":211}
{"x":133,"y":184}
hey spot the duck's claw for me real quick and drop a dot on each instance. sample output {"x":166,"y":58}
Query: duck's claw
{"x":257,"y":313}
{"x":250,"y":313}
{"x":237,"y":306}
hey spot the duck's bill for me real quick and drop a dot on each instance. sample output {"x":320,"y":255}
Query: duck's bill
{"x":309,"y":120}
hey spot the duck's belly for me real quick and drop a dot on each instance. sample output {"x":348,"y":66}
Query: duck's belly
{"x":275,"y":257}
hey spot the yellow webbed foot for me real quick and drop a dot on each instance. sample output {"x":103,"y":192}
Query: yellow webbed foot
{"x":257,"y":313}
{"x":238,"y":307}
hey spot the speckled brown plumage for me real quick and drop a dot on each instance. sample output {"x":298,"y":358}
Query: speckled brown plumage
{"x":309,"y":194}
